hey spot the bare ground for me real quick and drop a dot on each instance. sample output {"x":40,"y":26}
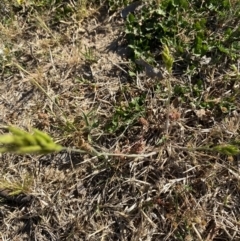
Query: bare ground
{"x":83,"y":68}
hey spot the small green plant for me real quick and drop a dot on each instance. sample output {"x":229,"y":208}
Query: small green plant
{"x":126,"y":114}
{"x":58,"y":10}
{"x":89,"y":55}
{"x":114,"y":5}
{"x":17,"y":187}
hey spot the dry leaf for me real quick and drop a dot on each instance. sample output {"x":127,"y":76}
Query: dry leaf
{"x":200,"y":113}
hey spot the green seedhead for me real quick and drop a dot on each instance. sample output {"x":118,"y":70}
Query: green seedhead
{"x":227,"y":149}
{"x":22,"y":142}
{"x":168,"y":59}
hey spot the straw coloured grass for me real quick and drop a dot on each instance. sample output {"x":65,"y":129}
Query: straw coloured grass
{"x":119,"y":120}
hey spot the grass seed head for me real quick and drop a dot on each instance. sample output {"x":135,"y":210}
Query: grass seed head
{"x":22,"y":142}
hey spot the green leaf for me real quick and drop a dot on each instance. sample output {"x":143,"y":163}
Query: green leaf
{"x":130,"y":18}
{"x":160,"y":12}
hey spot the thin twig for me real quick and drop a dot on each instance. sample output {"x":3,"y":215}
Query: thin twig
{"x":168,"y":104}
{"x":94,"y":152}
{"x":202,"y":148}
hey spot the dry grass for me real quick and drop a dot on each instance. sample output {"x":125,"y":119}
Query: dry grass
{"x":175,"y":194}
